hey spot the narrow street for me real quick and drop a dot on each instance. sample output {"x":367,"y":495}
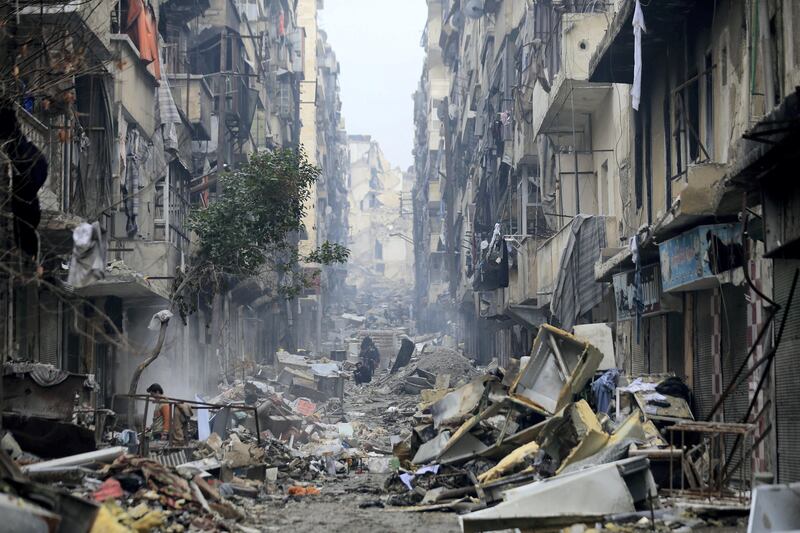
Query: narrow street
{"x":399,"y":265}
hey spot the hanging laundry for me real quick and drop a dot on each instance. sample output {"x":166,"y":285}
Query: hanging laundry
{"x":168,"y":115}
{"x":638,"y":28}
{"x":136,"y":154}
{"x":88,"y":262}
{"x":141,"y":28}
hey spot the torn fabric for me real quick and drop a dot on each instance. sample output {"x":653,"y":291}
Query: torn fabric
{"x":88,"y":262}
{"x":638,"y":28}
{"x":158,"y":319}
{"x":169,"y":116}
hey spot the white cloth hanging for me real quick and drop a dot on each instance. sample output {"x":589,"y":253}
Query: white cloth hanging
{"x":638,"y":28}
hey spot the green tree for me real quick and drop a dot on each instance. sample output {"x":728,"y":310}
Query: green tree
{"x":248,"y":231}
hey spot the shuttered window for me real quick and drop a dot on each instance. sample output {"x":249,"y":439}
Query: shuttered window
{"x":734,"y":354}
{"x":787,"y":376}
{"x":703,"y":362}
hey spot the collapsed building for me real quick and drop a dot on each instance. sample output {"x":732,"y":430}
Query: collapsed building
{"x":380,"y":216}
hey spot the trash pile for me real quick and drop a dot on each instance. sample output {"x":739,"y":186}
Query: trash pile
{"x":521,"y":446}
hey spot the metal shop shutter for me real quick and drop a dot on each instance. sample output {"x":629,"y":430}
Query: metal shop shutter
{"x":787,"y":375}
{"x":734,"y":354}
{"x":638,"y":364}
{"x":49,"y":319}
{"x":703,"y":362}
{"x":655,"y":343}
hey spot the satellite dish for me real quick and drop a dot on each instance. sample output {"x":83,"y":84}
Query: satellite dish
{"x":474,"y":9}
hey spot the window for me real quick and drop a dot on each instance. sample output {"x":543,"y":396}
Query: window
{"x":378,"y":250}
{"x":709,"y":111}
{"x":643,"y":158}
{"x":638,"y":156}
{"x":694,"y":118}
{"x":668,"y":146}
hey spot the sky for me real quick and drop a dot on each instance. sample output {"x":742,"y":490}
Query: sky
{"x":377,"y":43}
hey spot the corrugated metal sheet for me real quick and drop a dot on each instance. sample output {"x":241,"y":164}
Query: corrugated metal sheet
{"x":734,"y":354}
{"x":576,"y":291}
{"x":171,"y":458}
{"x":703,"y":362}
{"x":787,"y":376}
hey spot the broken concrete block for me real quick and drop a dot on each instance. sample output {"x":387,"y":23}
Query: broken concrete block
{"x":584,"y":496}
{"x":775,"y":508}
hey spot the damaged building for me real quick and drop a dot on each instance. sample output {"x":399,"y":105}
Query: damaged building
{"x":119,"y":122}
{"x":623,"y":165}
{"x":380,"y":217}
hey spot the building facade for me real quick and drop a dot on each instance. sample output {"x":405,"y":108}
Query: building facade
{"x":127,"y":125}
{"x":620,"y":163}
{"x":380,"y":218}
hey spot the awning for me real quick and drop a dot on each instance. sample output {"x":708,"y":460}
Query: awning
{"x":613,"y":61}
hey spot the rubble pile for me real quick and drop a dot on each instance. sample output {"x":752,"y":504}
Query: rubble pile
{"x":557,"y":439}
{"x":515,"y":447}
{"x":276,"y":433}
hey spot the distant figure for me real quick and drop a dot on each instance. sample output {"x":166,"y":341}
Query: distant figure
{"x":162,"y":417}
{"x":369,"y":354}
{"x":362,"y":374}
{"x":162,"y":420}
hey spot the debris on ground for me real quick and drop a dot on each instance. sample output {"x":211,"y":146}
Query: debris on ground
{"x":554,"y":440}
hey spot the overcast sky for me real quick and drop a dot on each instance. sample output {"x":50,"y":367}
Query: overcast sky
{"x":377,"y":45}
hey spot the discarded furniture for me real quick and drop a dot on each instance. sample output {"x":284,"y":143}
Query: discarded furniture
{"x":723,"y":465}
{"x":559,"y":367}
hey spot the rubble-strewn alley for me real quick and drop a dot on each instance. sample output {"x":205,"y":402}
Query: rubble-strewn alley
{"x":410,"y":265}
{"x":428,"y":441}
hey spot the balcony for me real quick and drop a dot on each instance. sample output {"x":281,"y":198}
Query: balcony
{"x":695,"y":199}
{"x":87,"y":23}
{"x":145,"y":272}
{"x":548,"y":259}
{"x":613,"y":59}
{"x":193,"y":96}
{"x":572,"y":97}
{"x":434,"y":196}
{"x":523,"y":288}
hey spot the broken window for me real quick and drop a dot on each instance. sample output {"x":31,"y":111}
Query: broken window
{"x":643,"y":158}
{"x":638,"y":155}
{"x":668,"y":147}
{"x":709,"y":103}
{"x":693,"y":105}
